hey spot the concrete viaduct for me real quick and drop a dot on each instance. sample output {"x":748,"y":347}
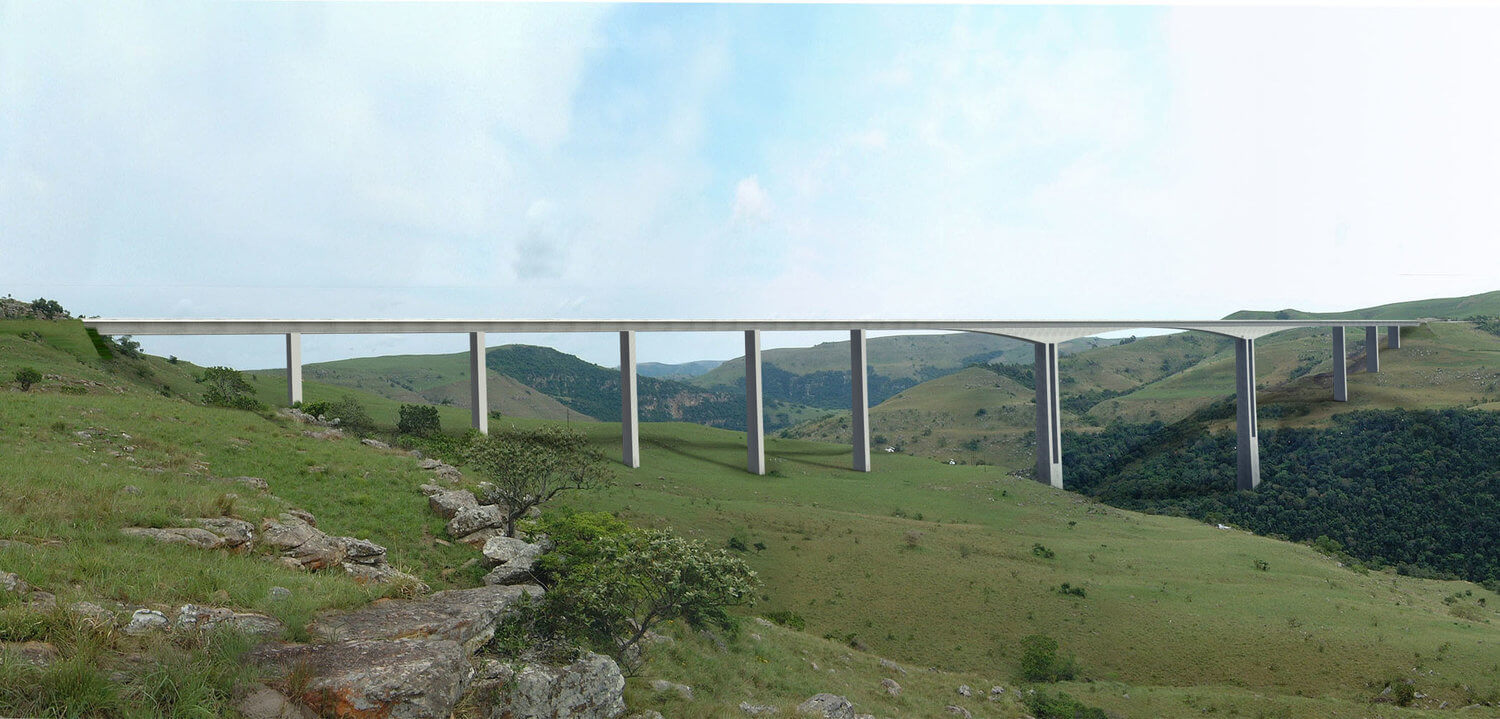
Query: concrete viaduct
{"x":1044,"y":335}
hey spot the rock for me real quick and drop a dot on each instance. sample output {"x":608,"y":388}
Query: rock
{"x":263,"y":702}
{"x":465,"y":616}
{"x":298,"y":540}
{"x":253,"y":482}
{"x":330,"y":434}
{"x":449,"y":473}
{"x":477,"y":539}
{"x":191,"y":617}
{"x":512,"y":558}
{"x":827,"y":706}
{"x":191,"y":536}
{"x":996,"y":692}
{"x":234,"y":533}
{"x":663,"y":686}
{"x":964,"y":690}
{"x":447,"y":503}
{"x":37,"y":654}
{"x":891,"y":687}
{"x":377,"y":444}
{"x":757,"y":709}
{"x":39,"y":601}
{"x":145,"y":621}
{"x":468,"y":521}
{"x":278,"y":593}
{"x":392,"y":679}
{"x":303,"y":515}
{"x":892,"y":666}
{"x":429,"y":463}
{"x":650,"y":714}
{"x":130,"y":489}
{"x":92,"y":613}
{"x":590,"y":688}
{"x":12,"y":582}
{"x":431,"y":489}
{"x":362,"y":551}
{"x":960,"y":711}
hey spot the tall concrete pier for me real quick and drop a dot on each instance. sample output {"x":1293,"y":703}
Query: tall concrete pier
{"x":1372,"y":349}
{"x":630,"y":416}
{"x":859,"y":400}
{"x":1340,"y":367}
{"x":1048,"y":419}
{"x":1393,"y":338}
{"x":293,"y":367}
{"x":755,"y":437}
{"x":479,"y":395}
{"x":1247,"y":425}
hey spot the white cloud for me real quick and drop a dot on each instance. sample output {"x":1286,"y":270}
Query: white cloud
{"x":752,"y":204}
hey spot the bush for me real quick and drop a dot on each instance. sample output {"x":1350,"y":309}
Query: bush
{"x":620,"y":586}
{"x":1040,"y":661}
{"x":1060,"y":706}
{"x":346,"y":412}
{"x":418,"y":419}
{"x":27,"y":376}
{"x":787,"y":618}
{"x":228,"y":388}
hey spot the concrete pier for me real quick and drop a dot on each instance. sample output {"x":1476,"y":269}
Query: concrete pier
{"x":859,"y":400}
{"x":293,"y":367}
{"x":755,"y":437}
{"x":1248,"y":424}
{"x":478,"y":388}
{"x":1340,"y":366}
{"x":630,"y":416}
{"x":1372,"y":349}
{"x":1048,"y":421}
{"x":1393,"y":337}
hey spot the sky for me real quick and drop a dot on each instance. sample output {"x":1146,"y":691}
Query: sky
{"x":518,"y":161}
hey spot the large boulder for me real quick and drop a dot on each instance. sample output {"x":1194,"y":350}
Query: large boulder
{"x":470,"y":520}
{"x":590,"y":688}
{"x":263,"y":702}
{"x":301,"y":542}
{"x":191,"y":536}
{"x":447,"y":503}
{"x":466,"y":616}
{"x":512,"y":559}
{"x":827,"y":706}
{"x":392,"y":679}
{"x":232,"y":533}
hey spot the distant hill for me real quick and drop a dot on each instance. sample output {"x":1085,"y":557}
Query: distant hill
{"x":1454,"y":308}
{"x":818,"y":376}
{"x":682,"y":371}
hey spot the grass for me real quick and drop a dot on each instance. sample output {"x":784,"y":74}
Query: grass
{"x":924,"y":563}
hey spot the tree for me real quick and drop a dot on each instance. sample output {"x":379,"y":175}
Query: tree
{"x":47,"y":309}
{"x":27,"y":376}
{"x":227,"y":388}
{"x":418,"y":419}
{"x":531,"y":467}
{"x":1040,"y":661}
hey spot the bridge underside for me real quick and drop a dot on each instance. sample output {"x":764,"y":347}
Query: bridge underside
{"x":1044,"y":335}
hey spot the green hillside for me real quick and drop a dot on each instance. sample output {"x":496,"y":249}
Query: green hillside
{"x":1455,"y":308}
{"x":923,"y":563}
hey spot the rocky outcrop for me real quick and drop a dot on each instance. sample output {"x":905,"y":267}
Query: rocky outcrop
{"x":300,"y":543}
{"x":891,"y":687}
{"x":145,"y":621}
{"x":512,"y":559}
{"x":389,"y":678}
{"x":827,"y":706}
{"x":263,"y":702}
{"x":444,"y":471}
{"x":192,"y":617}
{"x":447,"y":503}
{"x":211,"y":533}
{"x":465,"y":616}
{"x":590,"y":688}
{"x":756,"y":710}
{"x":377,"y":444}
{"x":467,"y":521}
{"x":662,"y":686}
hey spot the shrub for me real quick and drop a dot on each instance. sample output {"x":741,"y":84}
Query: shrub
{"x":228,"y":388}
{"x":626,"y":584}
{"x":1069,"y":590}
{"x":1040,"y":661}
{"x":788,"y":618}
{"x":418,"y":419}
{"x":1042,"y":551}
{"x":27,"y":376}
{"x":1262,"y":565}
{"x":737,"y":544}
{"x":1060,"y":706}
{"x":351,"y":415}
{"x":531,"y":467}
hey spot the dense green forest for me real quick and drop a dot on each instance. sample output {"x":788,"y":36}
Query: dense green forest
{"x":1416,"y":489}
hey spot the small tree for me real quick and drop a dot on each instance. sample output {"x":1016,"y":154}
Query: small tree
{"x":27,"y":376}
{"x":350,"y":414}
{"x":530,"y":467}
{"x":418,"y":419}
{"x":1040,"y":661}
{"x":227,"y":387}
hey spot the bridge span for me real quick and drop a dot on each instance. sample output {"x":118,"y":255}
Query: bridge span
{"x":1044,"y":335}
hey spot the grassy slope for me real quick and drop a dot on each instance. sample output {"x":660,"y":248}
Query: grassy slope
{"x":1176,"y":615}
{"x":1487,"y":303}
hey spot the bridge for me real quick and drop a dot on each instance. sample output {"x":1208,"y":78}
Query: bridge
{"x":1044,"y":335}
